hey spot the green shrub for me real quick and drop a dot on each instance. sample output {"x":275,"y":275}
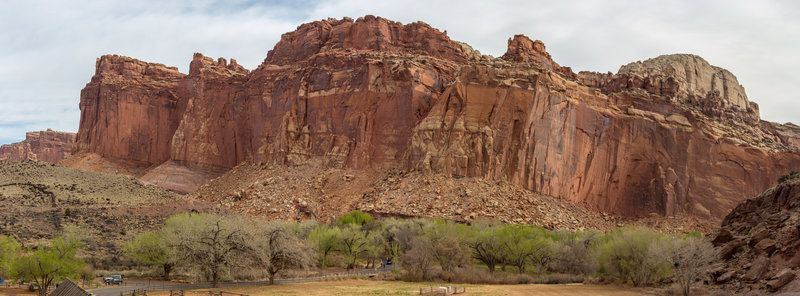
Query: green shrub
{"x":636,"y":255}
{"x":356,"y":217}
{"x":788,"y":177}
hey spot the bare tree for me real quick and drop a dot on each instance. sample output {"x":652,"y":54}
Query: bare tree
{"x":693,"y":259}
{"x":275,"y":249}
{"x":450,"y":253}
{"x":209,"y":242}
{"x":419,"y":260}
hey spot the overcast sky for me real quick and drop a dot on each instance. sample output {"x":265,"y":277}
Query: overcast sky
{"x":48,"y":48}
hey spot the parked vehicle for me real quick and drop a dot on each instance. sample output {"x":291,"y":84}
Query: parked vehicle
{"x":114,"y":279}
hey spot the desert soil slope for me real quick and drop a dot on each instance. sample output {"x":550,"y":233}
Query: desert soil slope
{"x":40,"y":199}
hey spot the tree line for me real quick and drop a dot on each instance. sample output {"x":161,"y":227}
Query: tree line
{"x":215,"y":247}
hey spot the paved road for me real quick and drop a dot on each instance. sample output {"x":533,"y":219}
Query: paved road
{"x":155,"y":285}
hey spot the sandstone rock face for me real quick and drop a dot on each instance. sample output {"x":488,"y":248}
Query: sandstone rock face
{"x":49,"y":146}
{"x":130,"y":110}
{"x":558,"y":138}
{"x":374,"y":94}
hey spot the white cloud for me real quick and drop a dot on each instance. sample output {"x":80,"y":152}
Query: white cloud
{"x":48,"y":48}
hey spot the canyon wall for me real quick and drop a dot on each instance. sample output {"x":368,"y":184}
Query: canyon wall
{"x":49,"y":146}
{"x":672,"y":135}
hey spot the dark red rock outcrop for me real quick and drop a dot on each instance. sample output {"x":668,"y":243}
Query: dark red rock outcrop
{"x":49,"y":146}
{"x":375,"y":94}
{"x":759,"y":240}
{"x":522,"y":49}
{"x":369,"y":33}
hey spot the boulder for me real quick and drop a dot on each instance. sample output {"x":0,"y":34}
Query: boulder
{"x":784,"y":277}
{"x":722,"y":237}
{"x":760,"y":234}
{"x":766,"y":246}
{"x":731,"y":248}
{"x":725,"y":277}
{"x":758,"y":269}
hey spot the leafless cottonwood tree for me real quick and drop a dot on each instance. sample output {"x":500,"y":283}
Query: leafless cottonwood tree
{"x":693,"y":259}
{"x":450,"y":253}
{"x":419,"y":260}
{"x":211,"y":243}
{"x":275,"y":249}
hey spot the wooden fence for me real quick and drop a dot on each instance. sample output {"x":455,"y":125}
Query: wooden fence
{"x":143,"y":292}
{"x":442,"y":290}
{"x":223,"y":293}
{"x":135,"y":292}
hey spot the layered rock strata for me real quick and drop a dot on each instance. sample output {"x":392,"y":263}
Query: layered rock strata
{"x":49,"y":146}
{"x":671,"y":136}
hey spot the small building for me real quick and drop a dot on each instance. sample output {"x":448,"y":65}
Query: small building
{"x":68,"y":288}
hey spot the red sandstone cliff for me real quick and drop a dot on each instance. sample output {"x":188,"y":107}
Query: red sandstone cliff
{"x":672,"y":135}
{"x":49,"y":146}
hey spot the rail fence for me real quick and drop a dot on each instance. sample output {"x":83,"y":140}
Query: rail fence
{"x":177,"y":289}
{"x":442,"y":290}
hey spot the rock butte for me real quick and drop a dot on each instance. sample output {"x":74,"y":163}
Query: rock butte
{"x":671,"y":135}
{"x":49,"y":146}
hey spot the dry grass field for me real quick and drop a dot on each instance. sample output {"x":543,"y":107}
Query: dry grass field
{"x":365,"y":287}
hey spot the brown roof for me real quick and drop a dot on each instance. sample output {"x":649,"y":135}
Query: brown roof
{"x":68,"y":288}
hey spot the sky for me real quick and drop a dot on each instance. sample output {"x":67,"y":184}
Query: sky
{"x":48,"y":48}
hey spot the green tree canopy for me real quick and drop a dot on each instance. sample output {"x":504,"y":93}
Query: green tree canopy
{"x":352,"y":243}
{"x":9,"y":251}
{"x":152,"y":248}
{"x":521,"y":244}
{"x":486,"y":246}
{"x":50,"y":264}
{"x":324,"y":239}
{"x":634,"y":254}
